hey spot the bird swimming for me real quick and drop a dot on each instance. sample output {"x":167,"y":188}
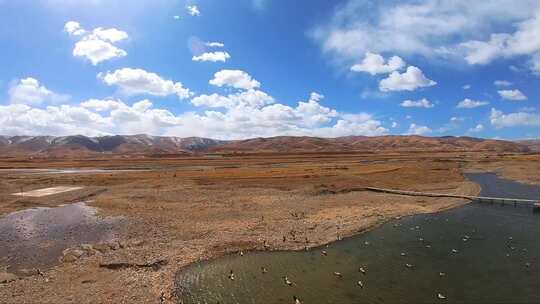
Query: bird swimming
{"x":359,"y":283}
{"x":440,"y":296}
{"x":338,"y":274}
{"x":231,"y":275}
{"x":362,"y":270}
{"x":287,"y":281}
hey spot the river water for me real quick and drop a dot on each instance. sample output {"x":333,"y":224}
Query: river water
{"x":478,"y":253}
{"x":35,"y":238}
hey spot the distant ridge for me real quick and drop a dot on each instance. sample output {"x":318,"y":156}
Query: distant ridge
{"x":146,"y":144}
{"x":532,"y":144}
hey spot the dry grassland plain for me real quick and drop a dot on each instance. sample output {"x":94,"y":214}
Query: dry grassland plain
{"x":183,"y":209}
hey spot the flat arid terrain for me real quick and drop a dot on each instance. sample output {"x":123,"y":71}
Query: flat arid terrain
{"x":163,"y":213}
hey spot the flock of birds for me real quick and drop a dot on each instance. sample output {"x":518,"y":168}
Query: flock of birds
{"x":339,"y":275}
{"x":362,"y":270}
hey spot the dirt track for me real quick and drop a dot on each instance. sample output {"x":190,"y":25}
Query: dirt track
{"x":199,"y":208}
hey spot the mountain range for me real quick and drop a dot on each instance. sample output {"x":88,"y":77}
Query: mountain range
{"x":146,"y":144}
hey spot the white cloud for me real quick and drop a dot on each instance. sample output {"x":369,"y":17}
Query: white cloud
{"x":250,"y":98}
{"x":515,"y":95}
{"x":97,"y":45}
{"x":97,"y":50}
{"x":375,"y":64}
{"x":455,"y":119}
{"x":478,"y":128}
{"x":415,"y":129}
{"x":470,"y":104}
{"x":436,"y":29}
{"x":102,"y":105}
{"x":500,"y":120}
{"x":176,"y":17}
{"x":427,"y":27}
{"x":111,"y":34}
{"x":212,"y":56}
{"x":524,"y":41}
{"x":502,"y":83}
{"x":394,"y":124}
{"x":193,"y":10}
{"x":74,"y":28}
{"x":215,"y":44}
{"x":30,"y":91}
{"x":138,"y":81}
{"x":410,"y":80}
{"x":234,"y":78}
{"x":244,"y":114}
{"x":422,"y":103}
{"x":467,"y":87}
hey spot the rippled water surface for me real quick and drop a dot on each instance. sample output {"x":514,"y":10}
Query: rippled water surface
{"x":35,"y":238}
{"x":488,"y":253}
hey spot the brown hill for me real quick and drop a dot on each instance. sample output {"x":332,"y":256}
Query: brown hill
{"x":532,"y":144}
{"x":144,"y":144}
{"x":83,"y":145}
{"x":364,"y":143}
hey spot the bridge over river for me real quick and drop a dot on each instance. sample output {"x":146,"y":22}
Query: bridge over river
{"x":534,"y":203}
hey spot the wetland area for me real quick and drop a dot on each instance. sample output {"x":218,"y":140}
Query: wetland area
{"x":170,"y":230}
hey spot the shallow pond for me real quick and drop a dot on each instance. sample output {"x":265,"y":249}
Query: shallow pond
{"x":35,"y":238}
{"x":481,"y":253}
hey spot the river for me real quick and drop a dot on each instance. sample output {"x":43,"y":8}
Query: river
{"x":481,"y":253}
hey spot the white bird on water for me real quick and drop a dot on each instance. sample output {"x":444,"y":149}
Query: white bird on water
{"x":440,"y":296}
{"x":359,"y":283}
{"x":362,"y":270}
{"x":231,"y":275}
{"x":296,"y":300}
{"x":338,"y":274}
{"x":287,"y":281}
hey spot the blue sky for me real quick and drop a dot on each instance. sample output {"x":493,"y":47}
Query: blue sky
{"x":249,"y":68}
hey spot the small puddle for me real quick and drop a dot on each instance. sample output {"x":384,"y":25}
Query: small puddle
{"x":35,"y":238}
{"x":478,"y":253}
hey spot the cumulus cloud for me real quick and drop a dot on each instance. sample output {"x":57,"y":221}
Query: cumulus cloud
{"x":422,"y":103}
{"x":470,"y":104}
{"x":415,"y":129}
{"x":212,"y":56}
{"x":515,"y":95}
{"x":375,"y":64}
{"x":250,"y":98}
{"x":467,"y":87}
{"x":410,"y":80}
{"x":102,"y":105}
{"x":97,"y":45}
{"x":138,"y":81}
{"x":74,"y":28}
{"x":234,"y":78}
{"x":501,"y":120}
{"x":244,"y":114}
{"x":31,"y":92}
{"x":193,"y":10}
